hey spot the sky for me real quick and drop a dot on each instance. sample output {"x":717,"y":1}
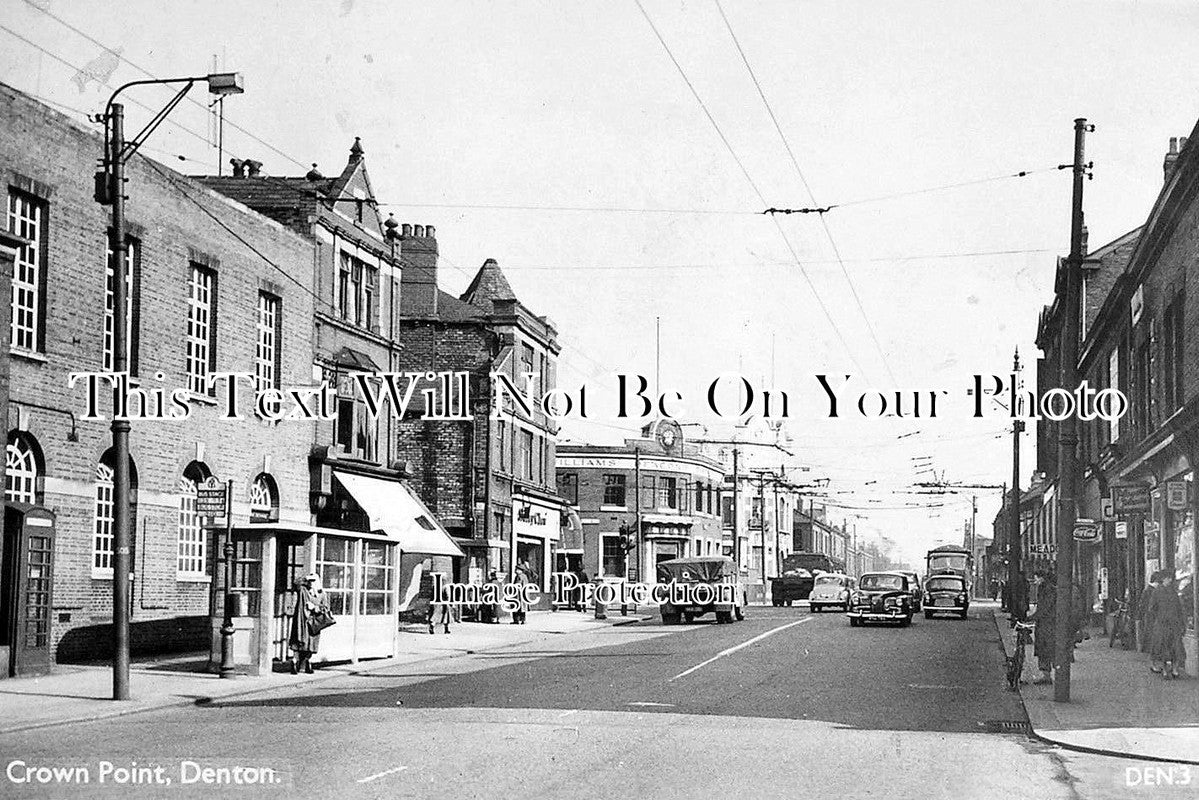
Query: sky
{"x":626,"y":212}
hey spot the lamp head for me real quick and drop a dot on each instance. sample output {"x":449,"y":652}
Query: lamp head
{"x":225,"y":83}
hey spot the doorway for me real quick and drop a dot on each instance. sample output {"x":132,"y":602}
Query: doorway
{"x":289,"y":568}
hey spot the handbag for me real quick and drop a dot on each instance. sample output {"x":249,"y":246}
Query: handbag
{"x":318,"y":620}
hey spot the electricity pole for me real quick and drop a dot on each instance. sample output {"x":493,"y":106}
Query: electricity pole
{"x":736,"y":513}
{"x":1016,"y":600}
{"x":1067,"y":441}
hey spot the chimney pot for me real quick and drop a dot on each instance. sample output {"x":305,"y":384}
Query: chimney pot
{"x":1171,"y":157}
{"x":314,"y":174}
{"x":418,"y":231}
{"x":406,"y":229}
{"x":239,"y":167}
{"x":253,"y":167}
{"x":430,"y":231}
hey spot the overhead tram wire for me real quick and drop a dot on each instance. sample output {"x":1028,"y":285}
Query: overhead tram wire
{"x":795,"y":163}
{"x":761,"y":197}
{"x":149,"y":74}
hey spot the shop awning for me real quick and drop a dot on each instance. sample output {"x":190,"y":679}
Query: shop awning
{"x":396,"y":510}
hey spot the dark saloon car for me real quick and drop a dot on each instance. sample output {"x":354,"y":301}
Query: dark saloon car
{"x":882,"y":597}
{"x":945,"y":594}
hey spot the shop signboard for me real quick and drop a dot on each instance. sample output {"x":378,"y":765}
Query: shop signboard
{"x":1107,"y":510}
{"x":1176,"y":495}
{"x":1131,"y":499}
{"x":1043,"y":549}
{"x":1086,"y":530}
{"x":1121,"y":530}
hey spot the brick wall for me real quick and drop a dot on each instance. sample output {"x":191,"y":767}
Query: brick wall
{"x":38,"y":144}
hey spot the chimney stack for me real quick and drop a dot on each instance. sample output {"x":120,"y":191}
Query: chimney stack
{"x":239,"y":167}
{"x":419,"y":278}
{"x":253,"y":168}
{"x":1171,"y":156}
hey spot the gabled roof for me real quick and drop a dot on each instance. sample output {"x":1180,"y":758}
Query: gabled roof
{"x":489,"y":285}
{"x":449,"y":309}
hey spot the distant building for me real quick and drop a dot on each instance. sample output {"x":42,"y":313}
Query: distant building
{"x":676,"y":501}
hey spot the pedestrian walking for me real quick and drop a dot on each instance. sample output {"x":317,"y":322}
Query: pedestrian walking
{"x":1145,"y":610}
{"x":312,"y":615}
{"x":1045,"y":616}
{"x":524,"y":577}
{"x":1169,"y":624}
{"x":490,"y":612}
{"x":583,"y":580}
{"x":438,"y":614}
{"x":994,"y":589}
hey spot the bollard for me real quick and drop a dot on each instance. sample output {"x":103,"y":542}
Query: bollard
{"x":601,"y":609}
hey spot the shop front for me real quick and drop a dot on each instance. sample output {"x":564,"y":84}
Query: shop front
{"x":360,"y":566}
{"x":536,"y":532}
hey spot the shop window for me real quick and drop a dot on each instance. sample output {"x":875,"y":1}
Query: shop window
{"x":614,"y":490}
{"x":378,"y":567}
{"x":336,"y":566}
{"x":614,"y":556}
{"x":247,"y":572}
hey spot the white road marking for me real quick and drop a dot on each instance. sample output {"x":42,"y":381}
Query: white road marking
{"x":651,"y":705}
{"x":568,"y":713}
{"x":378,"y":775}
{"x":735,"y":648}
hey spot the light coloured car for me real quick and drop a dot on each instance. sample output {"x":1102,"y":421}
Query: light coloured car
{"x":831,"y":589}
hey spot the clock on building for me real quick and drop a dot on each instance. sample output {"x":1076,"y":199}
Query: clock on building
{"x":669,"y":434}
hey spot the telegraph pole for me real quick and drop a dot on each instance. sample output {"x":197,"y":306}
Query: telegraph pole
{"x":762,"y":523}
{"x":1067,"y":458}
{"x":1017,"y":602}
{"x":736,"y":514}
{"x":974,"y":541}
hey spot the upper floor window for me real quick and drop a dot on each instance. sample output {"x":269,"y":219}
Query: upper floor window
{"x":526,"y":455}
{"x":201,"y":327}
{"x":1172,"y":356}
{"x":568,"y":487}
{"x":614,"y":490}
{"x":357,"y":286}
{"x":355,"y":431}
{"x":132,"y":253}
{"x":526,"y":358}
{"x":668,"y":496}
{"x":266,"y":352}
{"x":1113,"y":381}
{"x":28,"y":217}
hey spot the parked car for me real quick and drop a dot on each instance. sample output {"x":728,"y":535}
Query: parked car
{"x":882,"y":597}
{"x":917,"y":590}
{"x":831,"y":589}
{"x":718,"y":572}
{"x":946,"y":595}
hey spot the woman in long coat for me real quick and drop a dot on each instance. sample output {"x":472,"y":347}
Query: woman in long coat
{"x":310,"y":597}
{"x":1169,"y":624}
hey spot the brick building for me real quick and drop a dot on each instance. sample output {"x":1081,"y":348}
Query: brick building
{"x":372,"y":531}
{"x":677,"y":503}
{"x":490,"y":481}
{"x":1138,"y":339}
{"x":215,"y":288}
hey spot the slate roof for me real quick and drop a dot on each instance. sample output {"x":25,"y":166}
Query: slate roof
{"x":449,"y":309}
{"x":489,"y":285}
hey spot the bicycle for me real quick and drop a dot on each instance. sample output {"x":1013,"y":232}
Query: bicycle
{"x":1121,"y":626}
{"x":1015,"y":662}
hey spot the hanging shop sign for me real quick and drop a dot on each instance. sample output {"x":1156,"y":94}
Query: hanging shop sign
{"x":1176,"y":495}
{"x":1121,"y":530}
{"x":1042,"y":549}
{"x":1107,"y":511}
{"x":1131,"y":499}
{"x":1086,"y":530}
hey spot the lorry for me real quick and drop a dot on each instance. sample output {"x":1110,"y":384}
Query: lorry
{"x":799,"y":575}
{"x":721,"y":594}
{"x":949,"y":559}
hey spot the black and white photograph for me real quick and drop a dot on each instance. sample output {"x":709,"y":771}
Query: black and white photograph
{"x":599,"y":399}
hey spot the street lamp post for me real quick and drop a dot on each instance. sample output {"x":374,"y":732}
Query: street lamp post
{"x":110,"y":189}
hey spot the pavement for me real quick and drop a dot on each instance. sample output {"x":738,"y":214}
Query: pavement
{"x":78,"y":693}
{"x":1117,"y":706}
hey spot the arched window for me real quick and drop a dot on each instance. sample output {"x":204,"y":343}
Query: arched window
{"x":193,"y":544}
{"x":102,"y":532}
{"x":264,"y":499}
{"x":105,"y":518}
{"x":22,"y":463}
